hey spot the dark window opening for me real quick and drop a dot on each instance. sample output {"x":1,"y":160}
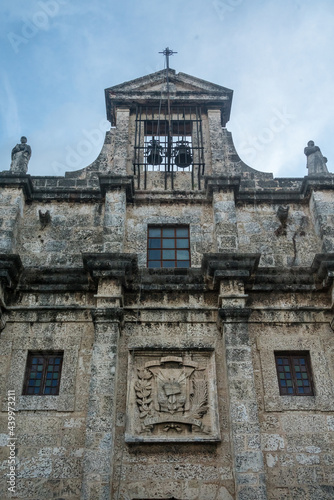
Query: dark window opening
{"x":43,"y":372}
{"x":294,"y":373}
{"x":168,"y":247}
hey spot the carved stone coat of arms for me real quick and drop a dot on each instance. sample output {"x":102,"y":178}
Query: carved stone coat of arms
{"x":172,"y":397}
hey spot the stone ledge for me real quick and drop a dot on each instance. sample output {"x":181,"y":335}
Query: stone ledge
{"x":64,"y":279}
{"x":23,"y":181}
{"x":220,"y":266}
{"x":120,"y":266}
{"x":110,"y":182}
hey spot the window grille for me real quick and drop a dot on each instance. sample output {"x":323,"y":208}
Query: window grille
{"x":43,"y":373}
{"x":168,"y":246}
{"x":168,"y":142}
{"x":294,"y":373}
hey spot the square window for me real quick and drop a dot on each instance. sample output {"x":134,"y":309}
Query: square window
{"x":43,"y":372}
{"x":297,"y":374}
{"x":171,"y":247}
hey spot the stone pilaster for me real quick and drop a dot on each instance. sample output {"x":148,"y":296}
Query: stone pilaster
{"x":216,"y":141}
{"x":322,"y":212}
{"x":225,"y":220}
{"x":14,"y":190}
{"x":121,"y":141}
{"x":98,"y":461}
{"x":117,"y":190}
{"x":244,"y":419}
{"x":10,"y":269}
{"x":110,"y":272}
{"x":114,"y":221}
{"x":228,"y":272}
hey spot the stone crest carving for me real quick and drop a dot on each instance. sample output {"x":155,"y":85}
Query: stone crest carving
{"x":171,"y":397}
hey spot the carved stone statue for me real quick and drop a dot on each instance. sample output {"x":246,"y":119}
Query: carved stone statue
{"x":316,"y":163}
{"x":21,"y":154}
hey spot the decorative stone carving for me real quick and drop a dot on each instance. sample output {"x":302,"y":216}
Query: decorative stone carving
{"x":44,"y":218}
{"x":21,"y":154}
{"x":172,"y":397}
{"x":316,"y":163}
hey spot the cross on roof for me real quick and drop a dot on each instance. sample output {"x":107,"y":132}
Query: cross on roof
{"x":167,"y":52}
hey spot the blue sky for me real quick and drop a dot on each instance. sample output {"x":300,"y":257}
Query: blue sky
{"x":58,"y":56}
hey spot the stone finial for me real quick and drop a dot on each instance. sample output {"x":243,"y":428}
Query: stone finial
{"x":21,"y":154}
{"x":316,"y":163}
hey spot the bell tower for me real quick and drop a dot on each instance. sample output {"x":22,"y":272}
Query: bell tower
{"x":168,"y":117}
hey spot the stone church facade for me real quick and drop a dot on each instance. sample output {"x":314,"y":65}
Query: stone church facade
{"x":167,"y":314}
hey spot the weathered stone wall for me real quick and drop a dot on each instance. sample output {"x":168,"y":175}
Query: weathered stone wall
{"x":163,"y":211}
{"x":50,"y":431}
{"x":293,"y":243}
{"x":296,"y":432}
{"x":72,"y":229}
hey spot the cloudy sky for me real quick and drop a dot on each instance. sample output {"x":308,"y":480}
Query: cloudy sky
{"x":58,"y":56}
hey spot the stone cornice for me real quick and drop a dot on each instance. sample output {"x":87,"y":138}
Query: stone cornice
{"x":120,"y":266}
{"x":226,"y":266}
{"x":111,"y":182}
{"x":20,"y":181}
{"x":65,"y":279}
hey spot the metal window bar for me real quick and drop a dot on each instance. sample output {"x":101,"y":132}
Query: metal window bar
{"x":163,"y":143}
{"x":168,"y":247}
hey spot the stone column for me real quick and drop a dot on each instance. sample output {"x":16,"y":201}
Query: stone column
{"x":98,"y":461}
{"x":225,"y":220}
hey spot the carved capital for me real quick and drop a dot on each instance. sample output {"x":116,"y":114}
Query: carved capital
{"x":226,"y":266}
{"x":119,"y":266}
{"x":235,"y":315}
{"x":110,"y":315}
{"x":110,"y":182}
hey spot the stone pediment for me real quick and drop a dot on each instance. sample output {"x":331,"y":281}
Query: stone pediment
{"x":183,"y":88}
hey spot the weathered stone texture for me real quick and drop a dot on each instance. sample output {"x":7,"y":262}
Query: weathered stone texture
{"x":169,"y":386}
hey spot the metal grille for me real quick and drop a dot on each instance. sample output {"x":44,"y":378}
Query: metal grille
{"x":294,"y":373}
{"x":168,"y":246}
{"x":170,"y":143}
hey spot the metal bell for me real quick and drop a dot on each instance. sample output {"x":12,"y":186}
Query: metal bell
{"x":154,"y":153}
{"x":182,"y":154}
